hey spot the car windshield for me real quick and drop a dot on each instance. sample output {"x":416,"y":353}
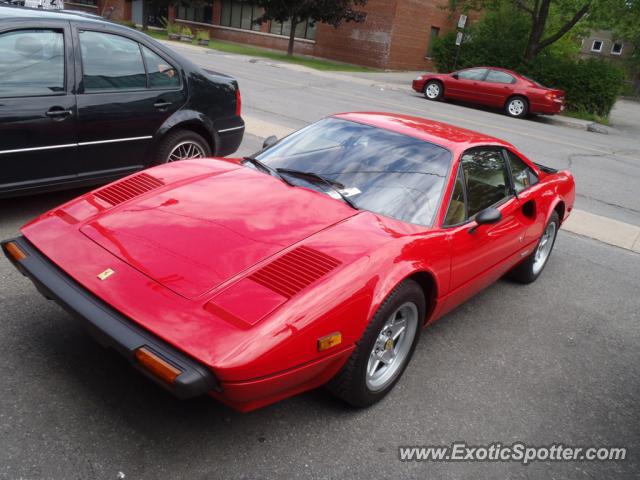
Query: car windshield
{"x":378,"y":170}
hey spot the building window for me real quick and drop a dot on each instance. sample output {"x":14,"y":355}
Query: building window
{"x":305,"y":29}
{"x":90,"y":3}
{"x":240,"y":15}
{"x":200,"y":13}
{"x":435,"y":31}
{"x":616,"y":48}
{"x":596,"y":46}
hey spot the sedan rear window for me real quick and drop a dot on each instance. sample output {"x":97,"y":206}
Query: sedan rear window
{"x":382,"y":171}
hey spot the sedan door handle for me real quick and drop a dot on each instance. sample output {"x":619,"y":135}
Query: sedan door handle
{"x":162,"y":104}
{"x":58,"y":112}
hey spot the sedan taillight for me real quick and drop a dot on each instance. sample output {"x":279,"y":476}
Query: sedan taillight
{"x":238,"y":102}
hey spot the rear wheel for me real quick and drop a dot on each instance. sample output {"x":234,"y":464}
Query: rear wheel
{"x":182,"y":145}
{"x":384,"y":350}
{"x":433,"y":90}
{"x":529,"y":270}
{"x":517,"y":107}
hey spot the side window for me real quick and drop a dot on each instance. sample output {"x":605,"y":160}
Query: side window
{"x":111,"y":62}
{"x":472,"y":74}
{"x":523,"y":176}
{"x":31,"y":63}
{"x":161,"y":73}
{"x":457,"y":211}
{"x":486,"y":178}
{"x":496,"y":76}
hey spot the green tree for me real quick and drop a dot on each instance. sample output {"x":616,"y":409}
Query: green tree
{"x":332,"y":12}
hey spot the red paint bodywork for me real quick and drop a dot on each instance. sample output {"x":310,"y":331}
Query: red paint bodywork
{"x":182,"y":253}
{"x":541,"y":99}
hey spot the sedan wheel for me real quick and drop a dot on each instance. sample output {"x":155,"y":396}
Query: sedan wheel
{"x":185,"y":151}
{"x":384,"y":350}
{"x":181,"y":145}
{"x":433,"y":90}
{"x":517,"y":107}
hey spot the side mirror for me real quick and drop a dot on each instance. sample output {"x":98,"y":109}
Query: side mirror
{"x":486,"y":217}
{"x":269,"y":141}
{"x":455,"y":75}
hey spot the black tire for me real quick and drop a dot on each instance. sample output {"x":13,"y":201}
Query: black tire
{"x":176,"y":137}
{"x":350,"y":384}
{"x":440,"y":89}
{"x":517,"y":107}
{"x":525,"y":272}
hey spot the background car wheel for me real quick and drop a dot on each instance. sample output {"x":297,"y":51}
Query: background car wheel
{"x":384,"y":350}
{"x":529,"y":270}
{"x":517,"y":107}
{"x":182,"y":145}
{"x":433,"y":90}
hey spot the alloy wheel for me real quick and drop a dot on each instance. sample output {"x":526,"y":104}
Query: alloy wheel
{"x":186,"y":150}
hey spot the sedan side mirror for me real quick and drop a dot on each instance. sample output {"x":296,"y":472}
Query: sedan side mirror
{"x":485,"y":217}
{"x":269,"y":141}
{"x":455,"y":75}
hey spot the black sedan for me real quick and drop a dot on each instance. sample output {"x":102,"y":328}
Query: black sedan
{"x":84,"y":101}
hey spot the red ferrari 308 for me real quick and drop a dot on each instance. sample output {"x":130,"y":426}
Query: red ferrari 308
{"x":494,"y":87}
{"x":315,"y":261}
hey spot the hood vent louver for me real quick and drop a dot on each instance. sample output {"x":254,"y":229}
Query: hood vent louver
{"x":128,"y":188}
{"x":294,"y":271}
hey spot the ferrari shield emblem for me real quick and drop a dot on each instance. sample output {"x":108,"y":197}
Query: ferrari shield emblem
{"x":106,"y":274}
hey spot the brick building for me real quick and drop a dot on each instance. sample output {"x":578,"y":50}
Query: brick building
{"x":397,"y":34}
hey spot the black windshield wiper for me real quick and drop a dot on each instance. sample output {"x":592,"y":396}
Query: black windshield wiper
{"x":266,"y":168}
{"x":332,"y":184}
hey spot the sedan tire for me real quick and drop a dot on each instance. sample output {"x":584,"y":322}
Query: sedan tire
{"x":182,"y":145}
{"x":433,"y":90}
{"x":517,"y":107}
{"x":384,"y":350}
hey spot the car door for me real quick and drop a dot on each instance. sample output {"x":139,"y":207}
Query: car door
{"x":465,"y":84}
{"x":480,"y":254}
{"x":125,"y":93}
{"x":37,"y":105}
{"x":497,"y":87}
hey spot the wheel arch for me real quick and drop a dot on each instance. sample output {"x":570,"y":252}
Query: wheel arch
{"x":189,"y":120}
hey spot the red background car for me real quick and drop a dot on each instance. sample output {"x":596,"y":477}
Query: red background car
{"x":316,"y":261}
{"x":495,"y":87}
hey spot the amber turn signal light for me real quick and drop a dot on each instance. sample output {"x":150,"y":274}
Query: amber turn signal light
{"x":14,"y":250}
{"x":329,"y":341}
{"x":156,"y":365}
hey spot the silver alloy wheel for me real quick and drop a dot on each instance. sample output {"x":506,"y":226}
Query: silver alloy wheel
{"x":185,"y":150}
{"x":391,"y":348}
{"x":544,"y":248}
{"x":432,"y":91}
{"x":516,"y":107}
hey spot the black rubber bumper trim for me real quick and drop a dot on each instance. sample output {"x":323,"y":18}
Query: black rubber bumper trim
{"x":108,"y":326}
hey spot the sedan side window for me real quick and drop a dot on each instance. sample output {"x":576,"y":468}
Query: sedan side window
{"x":472,"y":74}
{"x":496,"y":76}
{"x":486,"y":178}
{"x":523,"y":176}
{"x":31,"y":63}
{"x":111,"y":62}
{"x":161,"y":73}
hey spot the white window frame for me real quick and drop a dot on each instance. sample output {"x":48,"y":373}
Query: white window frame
{"x":621,"y":47}
{"x":593,"y":46}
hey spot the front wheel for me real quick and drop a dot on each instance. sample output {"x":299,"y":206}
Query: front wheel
{"x":529,"y":270}
{"x":433,"y":90}
{"x":384,"y":350}
{"x":517,"y":107}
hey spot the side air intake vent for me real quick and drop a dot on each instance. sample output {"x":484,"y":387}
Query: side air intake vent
{"x":129,"y":188}
{"x":294,"y":271}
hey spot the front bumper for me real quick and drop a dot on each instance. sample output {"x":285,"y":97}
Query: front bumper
{"x":108,"y":326}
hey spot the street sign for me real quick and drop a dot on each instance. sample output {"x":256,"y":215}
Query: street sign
{"x":459,"y":39}
{"x":462,"y":21}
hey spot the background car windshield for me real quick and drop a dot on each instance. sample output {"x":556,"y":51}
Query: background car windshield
{"x":381,"y":171}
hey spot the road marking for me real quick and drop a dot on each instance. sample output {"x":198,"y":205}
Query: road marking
{"x":603,"y":229}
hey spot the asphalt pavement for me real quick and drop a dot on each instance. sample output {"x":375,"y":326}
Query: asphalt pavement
{"x":552,"y":362}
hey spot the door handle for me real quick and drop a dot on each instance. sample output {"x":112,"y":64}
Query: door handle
{"x":161,"y":104}
{"x":58,"y":112}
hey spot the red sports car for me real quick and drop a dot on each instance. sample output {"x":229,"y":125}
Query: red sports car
{"x":315,"y":261}
{"x":495,"y":87}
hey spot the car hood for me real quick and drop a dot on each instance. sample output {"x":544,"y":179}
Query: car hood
{"x":197,"y":234}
